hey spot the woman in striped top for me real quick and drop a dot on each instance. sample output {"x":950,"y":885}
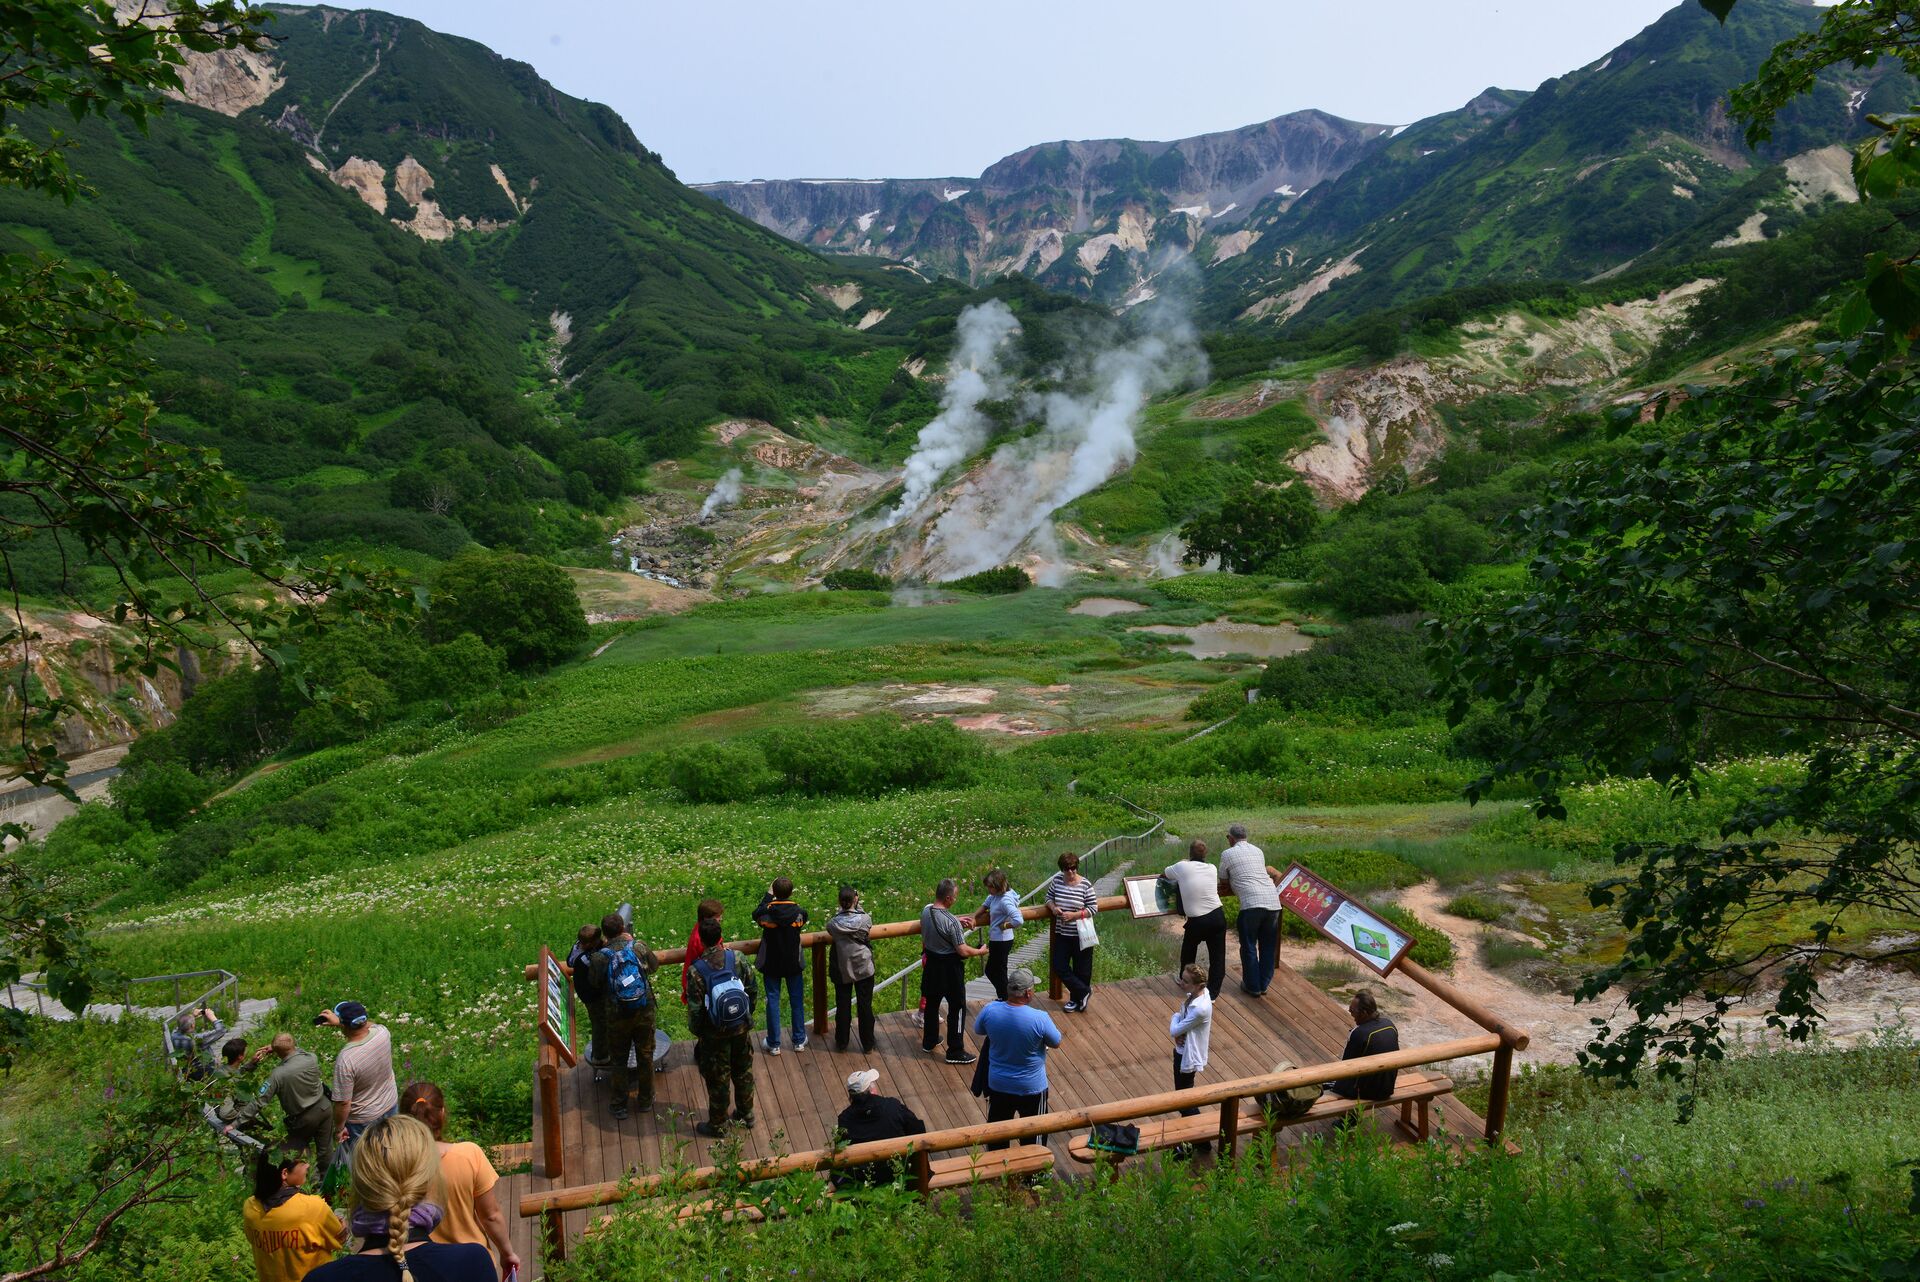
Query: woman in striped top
{"x":1072,"y":899}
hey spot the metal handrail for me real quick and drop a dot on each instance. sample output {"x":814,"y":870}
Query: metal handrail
{"x":1133,"y":842}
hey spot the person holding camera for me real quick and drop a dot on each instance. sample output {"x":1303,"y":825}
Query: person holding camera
{"x":188,"y":1043}
{"x":363,"y":1085}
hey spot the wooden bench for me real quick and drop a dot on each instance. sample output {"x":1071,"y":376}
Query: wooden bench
{"x":1414,"y":1092}
{"x":963,"y":1169}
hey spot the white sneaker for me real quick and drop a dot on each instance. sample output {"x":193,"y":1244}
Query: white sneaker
{"x":769,"y":1047}
{"x":798,"y":1047}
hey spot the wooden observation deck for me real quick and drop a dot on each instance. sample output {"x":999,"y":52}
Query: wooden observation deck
{"x":1117,"y":1052}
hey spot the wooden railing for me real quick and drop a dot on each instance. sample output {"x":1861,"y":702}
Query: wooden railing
{"x":1228,"y":1096}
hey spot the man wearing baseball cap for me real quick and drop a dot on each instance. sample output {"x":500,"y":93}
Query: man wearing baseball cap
{"x":870,"y":1115}
{"x":363,"y":1087}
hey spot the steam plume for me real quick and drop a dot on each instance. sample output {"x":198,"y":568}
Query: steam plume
{"x":974,"y":375}
{"x":1087,"y":436}
{"x":725,"y":494}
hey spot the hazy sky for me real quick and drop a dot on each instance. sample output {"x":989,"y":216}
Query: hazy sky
{"x":858,"y":88}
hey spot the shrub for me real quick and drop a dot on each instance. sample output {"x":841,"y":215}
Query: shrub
{"x":1375,"y":668}
{"x":1219,"y":703}
{"x":1431,"y":948}
{"x":719,"y":772}
{"x":160,"y":794}
{"x":1359,"y":871}
{"x":864,"y":758}
{"x":1478,"y":907}
{"x":1498,"y":950}
{"x":857,"y":580}
{"x":526,"y":607}
{"x":995,"y":582}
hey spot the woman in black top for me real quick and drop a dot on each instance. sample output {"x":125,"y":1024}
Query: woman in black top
{"x":396,"y":1173}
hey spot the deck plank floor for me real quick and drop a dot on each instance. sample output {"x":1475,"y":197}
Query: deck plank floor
{"x":1116,"y":1050}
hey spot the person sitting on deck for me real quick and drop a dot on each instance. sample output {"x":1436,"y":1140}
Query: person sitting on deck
{"x":720,"y":998}
{"x":943,"y":974}
{"x":1017,"y":1038}
{"x":1373,"y":1034}
{"x":868,"y":1116}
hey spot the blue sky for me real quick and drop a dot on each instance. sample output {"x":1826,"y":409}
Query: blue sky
{"x":757,"y":89}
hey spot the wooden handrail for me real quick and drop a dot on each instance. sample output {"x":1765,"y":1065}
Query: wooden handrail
{"x":607,"y":1193}
{"x":1512,"y":1035}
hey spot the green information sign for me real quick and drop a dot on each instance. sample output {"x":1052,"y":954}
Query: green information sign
{"x":556,"y":1004}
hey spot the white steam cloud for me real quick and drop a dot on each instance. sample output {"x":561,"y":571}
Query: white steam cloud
{"x":974,"y":375}
{"x":725,"y":494}
{"x":1168,"y":558}
{"x":1087,"y":436}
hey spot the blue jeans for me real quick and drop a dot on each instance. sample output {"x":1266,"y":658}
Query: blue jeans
{"x":1259,"y":947}
{"x":796,"y":986}
{"x":355,"y":1130}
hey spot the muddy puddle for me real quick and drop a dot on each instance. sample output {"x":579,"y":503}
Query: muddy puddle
{"x":1101,"y":607}
{"x":1220,"y":638}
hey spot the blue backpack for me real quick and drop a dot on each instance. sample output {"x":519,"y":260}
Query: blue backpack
{"x":728,"y":1007}
{"x":626,"y":982}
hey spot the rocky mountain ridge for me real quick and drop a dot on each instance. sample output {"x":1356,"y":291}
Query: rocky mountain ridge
{"x":1081,"y":216}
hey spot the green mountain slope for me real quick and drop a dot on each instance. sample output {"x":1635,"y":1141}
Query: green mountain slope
{"x":1583,"y":177}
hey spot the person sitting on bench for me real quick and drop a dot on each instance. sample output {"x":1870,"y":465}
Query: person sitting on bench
{"x":870,"y":1115}
{"x":1373,"y":1034}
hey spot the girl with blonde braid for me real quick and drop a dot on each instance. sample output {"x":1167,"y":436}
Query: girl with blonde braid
{"x":396,"y":1184}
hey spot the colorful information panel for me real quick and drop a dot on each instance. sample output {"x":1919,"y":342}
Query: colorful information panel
{"x":1374,"y":941}
{"x":556,"y":1005}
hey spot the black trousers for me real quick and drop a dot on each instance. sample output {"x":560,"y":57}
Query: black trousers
{"x":846,"y":995}
{"x":943,"y":978}
{"x":1074,"y":965}
{"x":1002,"y":1106}
{"x":1182,"y":1080}
{"x":1209,"y":929}
{"x":998,"y":950}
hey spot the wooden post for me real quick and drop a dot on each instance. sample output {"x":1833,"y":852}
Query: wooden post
{"x":1497,"y":1097}
{"x":1229,"y":1127}
{"x":549,"y":1074}
{"x":553,"y":1224}
{"x":923,"y":1170}
{"x":820,"y":989}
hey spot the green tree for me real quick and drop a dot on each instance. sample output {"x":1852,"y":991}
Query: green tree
{"x":523,"y":606}
{"x":1256,"y":523}
{"x":1747,"y":576}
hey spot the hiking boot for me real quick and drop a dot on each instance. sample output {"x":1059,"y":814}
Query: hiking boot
{"x":708,"y":1130}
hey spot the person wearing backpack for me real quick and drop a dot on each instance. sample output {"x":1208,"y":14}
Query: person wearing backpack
{"x":720,"y":998}
{"x":621,"y":973}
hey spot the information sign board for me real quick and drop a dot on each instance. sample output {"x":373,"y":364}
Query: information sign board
{"x":1376,"y":942}
{"x":556,"y":1005}
{"x":1147,"y":896}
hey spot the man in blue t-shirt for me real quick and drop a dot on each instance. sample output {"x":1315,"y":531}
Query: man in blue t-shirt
{"x":1017,"y":1037}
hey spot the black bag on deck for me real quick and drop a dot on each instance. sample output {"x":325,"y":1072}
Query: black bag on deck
{"x":1119,"y":1138}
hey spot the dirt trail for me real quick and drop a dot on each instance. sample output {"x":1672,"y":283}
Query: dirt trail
{"x":1859,"y":1001}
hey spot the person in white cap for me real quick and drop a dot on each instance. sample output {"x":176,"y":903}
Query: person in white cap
{"x":870,"y":1115}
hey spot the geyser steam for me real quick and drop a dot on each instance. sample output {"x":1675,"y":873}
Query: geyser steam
{"x":974,"y":375}
{"x":725,"y":494}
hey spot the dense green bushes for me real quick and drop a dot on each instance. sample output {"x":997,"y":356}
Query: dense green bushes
{"x":524,"y":607}
{"x":856,"y":580}
{"x":848,"y":758}
{"x":997,"y":581}
{"x":1372,"y":668}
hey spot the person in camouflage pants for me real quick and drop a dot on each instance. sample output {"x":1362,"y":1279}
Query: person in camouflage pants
{"x":724,"y":1057}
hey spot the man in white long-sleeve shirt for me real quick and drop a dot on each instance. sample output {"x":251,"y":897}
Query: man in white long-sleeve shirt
{"x":1243,"y":867}
{"x":1192,"y":1030}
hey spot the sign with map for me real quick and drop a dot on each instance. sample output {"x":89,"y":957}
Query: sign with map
{"x":1348,"y":923}
{"x":556,"y":1005}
